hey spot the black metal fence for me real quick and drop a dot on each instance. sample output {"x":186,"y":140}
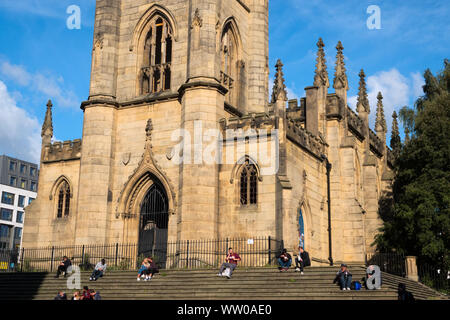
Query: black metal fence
{"x":188,"y":254}
{"x":393,"y":263}
{"x":434,"y":277}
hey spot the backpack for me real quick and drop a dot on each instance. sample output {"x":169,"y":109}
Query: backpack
{"x":355,"y":285}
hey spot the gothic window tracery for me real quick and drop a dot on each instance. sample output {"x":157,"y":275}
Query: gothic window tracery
{"x":63,"y":200}
{"x":157,"y":61}
{"x":248,"y":184}
{"x":230,"y":66}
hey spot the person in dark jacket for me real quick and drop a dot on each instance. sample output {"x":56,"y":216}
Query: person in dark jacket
{"x":344,"y":277}
{"x":97,"y":295}
{"x":63,"y":266}
{"x":302,"y":260}
{"x":61,"y":296}
{"x":152,"y":269}
{"x":284,"y":260}
{"x":403,"y":294}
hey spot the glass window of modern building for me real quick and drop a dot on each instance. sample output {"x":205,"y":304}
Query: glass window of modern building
{"x":17,"y":233}
{"x":30,"y":200}
{"x":12,"y":166}
{"x":33,"y":186}
{"x":32,"y":171}
{"x":4,"y":231}
{"x":12,"y":181}
{"x":21,"y":201}
{"x":23,"y":183}
{"x":19,"y":217}
{"x":23,"y":168}
{"x":6,"y":214}
{"x":7,"y":198}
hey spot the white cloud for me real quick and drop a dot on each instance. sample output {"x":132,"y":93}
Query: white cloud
{"x":20,"y":131}
{"x":418,"y":83}
{"x":16,"y":73}
{"x":397,"y":91}
{"x":48,"y":85}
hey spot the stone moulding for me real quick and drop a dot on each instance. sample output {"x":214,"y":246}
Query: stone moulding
{"x":57,"y":183}
{"x":154,"y":9}
{"x":238,"y":165}
{"x":254,"y":121}
{"x":141,"y":180}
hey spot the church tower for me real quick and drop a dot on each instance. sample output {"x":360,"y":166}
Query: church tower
{"x":185,"y":65}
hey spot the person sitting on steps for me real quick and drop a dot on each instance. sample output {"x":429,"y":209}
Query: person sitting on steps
{"x":63,"y":266}
{"x":231,"y":262}
{"x":144,"y":270}
{"x":152,"y":269}
{"x":284,"y":260}
{"x":302,"y":260}
{"x":99,"y":270}
{"x":344,"y":277}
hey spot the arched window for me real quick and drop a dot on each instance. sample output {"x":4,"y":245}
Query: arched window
{"x":63,"y":198}
{"x":249,"y":184}
{"x":230,"y":66}
{"x":157,"y":59}
{"x":301,"y":230}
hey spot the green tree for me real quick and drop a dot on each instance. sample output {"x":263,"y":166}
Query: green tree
{"x":417,"y":220}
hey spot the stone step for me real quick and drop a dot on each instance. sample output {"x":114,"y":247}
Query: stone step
{"x":256,"y":283}
{"x":230,"y":295}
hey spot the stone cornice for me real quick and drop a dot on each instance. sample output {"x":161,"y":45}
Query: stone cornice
{"x":151,"y":98}
{"x":202,"y":84}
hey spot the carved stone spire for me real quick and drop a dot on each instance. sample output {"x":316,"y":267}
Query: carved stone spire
{"x":363,"y":101}
{"x":279,"y":88}
{"x":380,"y":123}
{"x":340,"y":76}
{"x":321,"y":74}
{"x":47,"y":127}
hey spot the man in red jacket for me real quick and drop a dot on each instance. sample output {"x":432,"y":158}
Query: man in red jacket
{"x":231,"y":262}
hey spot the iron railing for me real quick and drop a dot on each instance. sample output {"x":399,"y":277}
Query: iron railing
{"x":393,"y":263}
{"x":186,"y":254}
{"x":434,"y":277}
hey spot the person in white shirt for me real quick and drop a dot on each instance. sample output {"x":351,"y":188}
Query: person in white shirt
{"x":99,"y":270}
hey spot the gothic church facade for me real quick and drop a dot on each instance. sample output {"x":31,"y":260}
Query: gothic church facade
{"x":161,"y":66}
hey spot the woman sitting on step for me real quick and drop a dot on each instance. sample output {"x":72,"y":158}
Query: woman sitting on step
{"x":144,"y":270}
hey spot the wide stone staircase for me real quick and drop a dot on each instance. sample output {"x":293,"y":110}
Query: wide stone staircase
{"x":246,"y":284}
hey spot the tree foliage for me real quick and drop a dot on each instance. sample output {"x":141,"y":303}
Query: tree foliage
{"x":417,"y":217}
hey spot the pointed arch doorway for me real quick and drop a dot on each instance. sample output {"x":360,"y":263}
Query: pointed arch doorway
{"x":153,"y":224}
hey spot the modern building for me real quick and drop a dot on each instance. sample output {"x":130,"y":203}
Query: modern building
{"x":18,"y":188}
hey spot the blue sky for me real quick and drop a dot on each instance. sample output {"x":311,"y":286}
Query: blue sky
{"x":40,"y":58}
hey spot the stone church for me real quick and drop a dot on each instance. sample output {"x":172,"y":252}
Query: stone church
{"x":195,"y":74}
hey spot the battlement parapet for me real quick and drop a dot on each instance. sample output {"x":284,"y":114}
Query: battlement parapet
{"x":62,"y":151}
{"x":305,"y":139}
